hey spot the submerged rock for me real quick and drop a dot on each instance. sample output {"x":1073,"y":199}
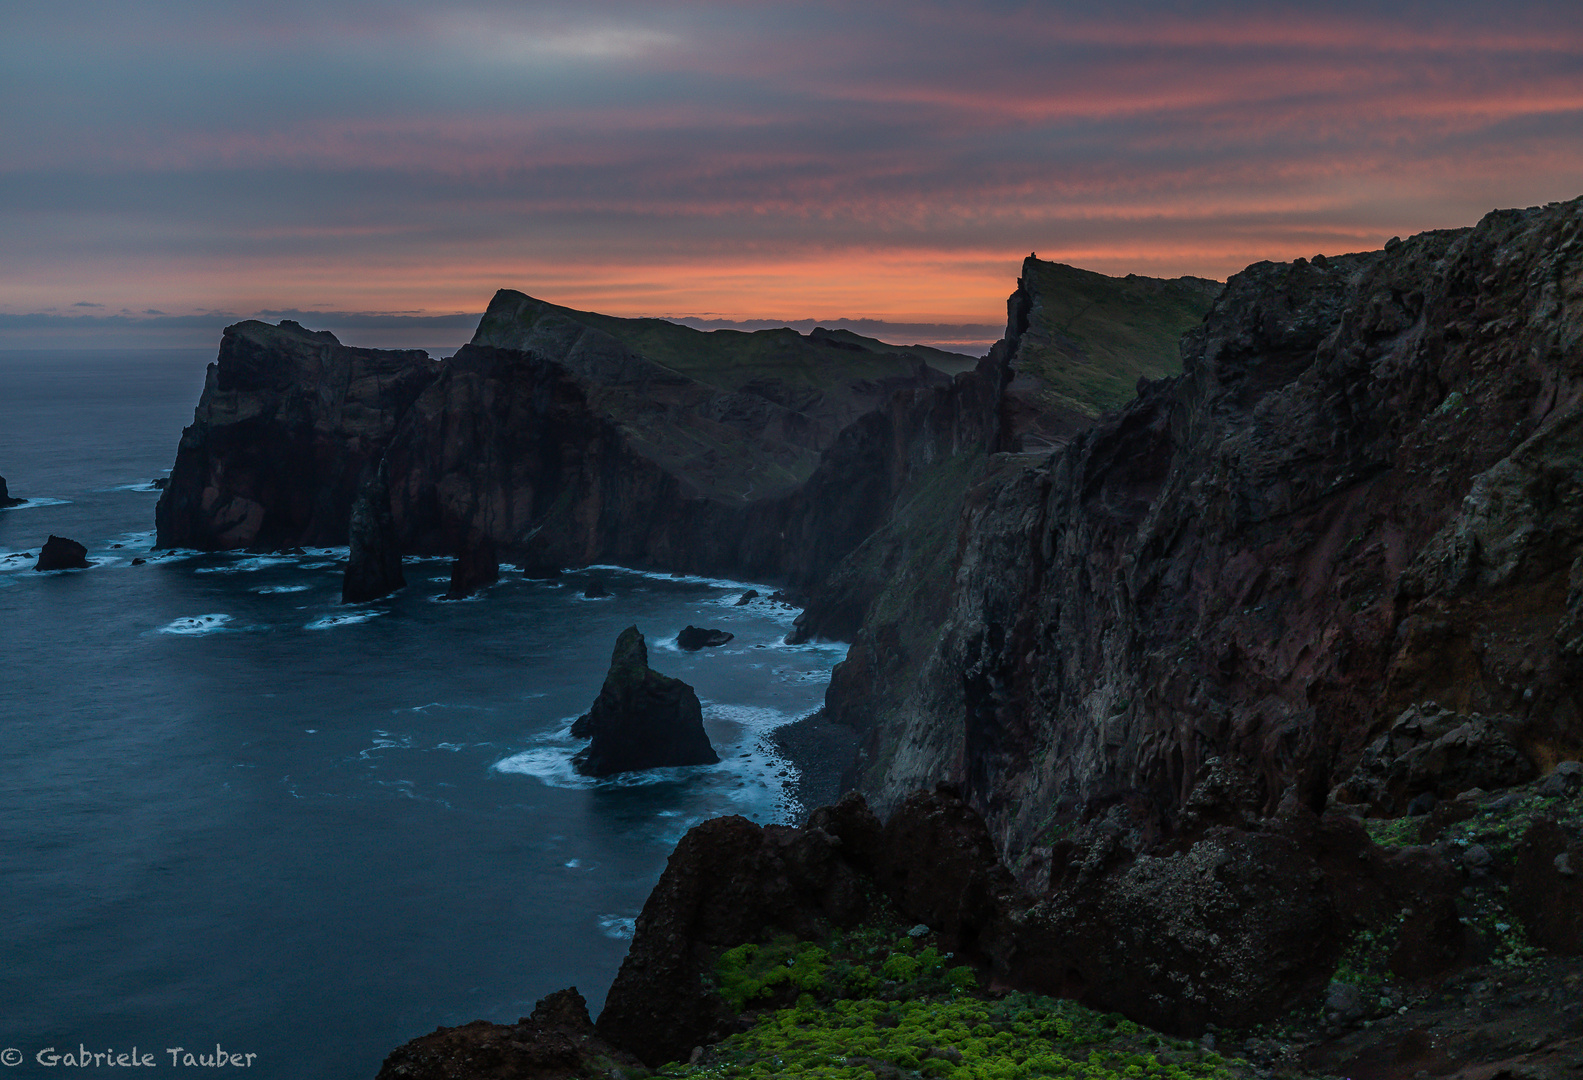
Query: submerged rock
{"x":694,"y":638}
{"x":641,"y":719}
{"x":374,"y":568}
{"x":60,"y":553}
{"x":5,"y":496}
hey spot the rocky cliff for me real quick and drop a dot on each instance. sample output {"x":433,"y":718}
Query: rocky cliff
{"x":290,"y":424}
{"x":563,"y":438}
{"x":1362,"y":493}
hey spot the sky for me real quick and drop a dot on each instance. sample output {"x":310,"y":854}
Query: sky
{"x":380,"y":169}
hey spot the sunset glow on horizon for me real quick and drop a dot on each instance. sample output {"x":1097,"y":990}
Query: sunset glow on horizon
{"x":738,"y":161}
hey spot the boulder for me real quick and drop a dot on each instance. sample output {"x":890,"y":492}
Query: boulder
{"x":747,"y":597}
{"x":641,"y":719}
{"x":694,"y":638}
{"x":5,"y":496}
{"x":595,"y":589}
{"x":60,"y":553}
{"x":374,"y":568}
{"x":1434,"y":751}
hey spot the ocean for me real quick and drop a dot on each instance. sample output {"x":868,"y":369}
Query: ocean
{"x":235,"y":812}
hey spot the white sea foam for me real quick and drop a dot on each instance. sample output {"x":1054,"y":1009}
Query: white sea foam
{"x":620,"y":927}
{"x":141,"y":485}
{"x":243,"y":566}
{"x":196,"y":624}
{"x":690,"y":579}
{"x":266,"y":590}
{"x":329,"y":622}
{"x":552,"y":767}
{"x":34,"y":501}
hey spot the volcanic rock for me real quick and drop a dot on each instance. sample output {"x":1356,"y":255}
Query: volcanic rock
{"x":1547,"y":887}
{"x":641,"y":719}
{"x":374,"y":568}
{"x":692,"y":638}
{"x":60,"y":553}
{"x":289,"y":424}
{"x":475,"y":568}
{"x":5,"y":496}
{"x":557,"y":1040}
{"x":730,"y":881}
{"x":1359,"y":496}
{"x":1434,"y":752}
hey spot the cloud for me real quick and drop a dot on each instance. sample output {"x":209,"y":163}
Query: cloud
{"x":888,"y":160}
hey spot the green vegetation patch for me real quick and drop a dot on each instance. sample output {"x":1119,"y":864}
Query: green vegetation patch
{"x":967,"y":1038}
{"x":876,"y":1001}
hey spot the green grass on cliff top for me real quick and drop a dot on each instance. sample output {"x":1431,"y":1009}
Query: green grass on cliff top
{"x":875,"y":1003}
{"x":1090,"y":337}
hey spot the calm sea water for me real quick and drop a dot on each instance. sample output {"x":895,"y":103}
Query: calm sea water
{"x":234,"y":811}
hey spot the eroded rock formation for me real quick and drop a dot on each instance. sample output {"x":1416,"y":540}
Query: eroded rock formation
{"x":59,"y":553}
{"x":566,"y":438}
{"x":1362,"y":494}
{"x":5,"y":496}
{"x":373,"y":569}
{"x":641,"y":719}
{"x":289,"y":424}
{"x":557,"y":1040}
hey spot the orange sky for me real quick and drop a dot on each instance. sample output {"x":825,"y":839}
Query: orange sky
{"x":742,"y":160}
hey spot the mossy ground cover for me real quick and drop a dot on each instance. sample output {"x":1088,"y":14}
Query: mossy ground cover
{"x":878,"y":1003}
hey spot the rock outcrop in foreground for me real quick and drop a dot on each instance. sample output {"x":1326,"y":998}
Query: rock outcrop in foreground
{"x":641,"y":719}
{"x":1361,"y":497}
{"x":557,"y":1040}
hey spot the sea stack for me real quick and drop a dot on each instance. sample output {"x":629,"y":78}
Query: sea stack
{"x":477,"y":567}
{"x":5,"y":496}
{"x":374,"y":568}
{"x":641,"y":719}
{"x":60,"y":553}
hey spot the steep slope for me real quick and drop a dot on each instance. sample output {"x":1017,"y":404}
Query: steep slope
{"x":1080,"y":341}
{"x":1076,"y":345}
{"x":1363,"y":493}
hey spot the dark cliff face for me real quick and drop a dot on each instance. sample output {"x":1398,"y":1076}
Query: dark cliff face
{"x":1362,"y":493}
{"x":556,"y":442}
{"x":289,"y":425}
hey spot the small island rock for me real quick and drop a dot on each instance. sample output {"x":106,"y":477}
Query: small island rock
{"x":595,"y":589}
{"x":60,"y":553}
{"x":641,"y":719}
{"x":5,"y":496}
{"x":699,"y":637}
